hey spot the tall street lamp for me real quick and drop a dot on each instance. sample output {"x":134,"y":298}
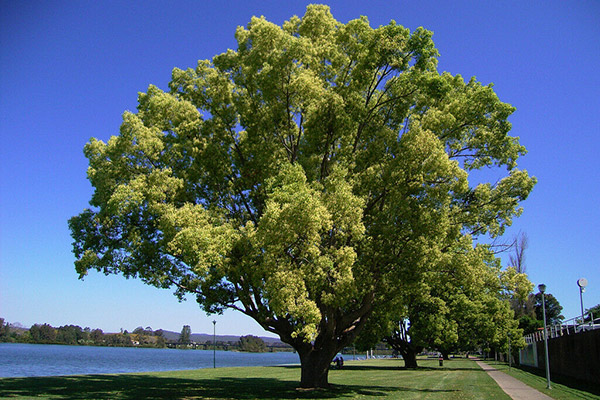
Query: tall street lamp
{"x":509,"y":353}
{"x":542,"y":289}
{"x":214,"y":344}
{"x":582,"y":283}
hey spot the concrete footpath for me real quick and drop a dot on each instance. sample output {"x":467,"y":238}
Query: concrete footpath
{"x":513,"y":387}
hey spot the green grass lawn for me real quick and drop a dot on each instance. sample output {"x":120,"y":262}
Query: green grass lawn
{"x":376,"y":379}
{"x":373,"y":379}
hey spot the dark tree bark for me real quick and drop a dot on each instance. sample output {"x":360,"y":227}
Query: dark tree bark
{"x":399,"y":341}
{"x":336,"y":331}
{"x":410,"y":356}
{"x":315,"y":366}
{"x":445,"y":354}
{"x":316,"y":357}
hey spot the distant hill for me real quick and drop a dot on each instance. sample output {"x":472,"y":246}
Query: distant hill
{"x":204,"y":337}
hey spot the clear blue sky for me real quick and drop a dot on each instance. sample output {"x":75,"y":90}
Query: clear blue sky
{"x":68,"y":70}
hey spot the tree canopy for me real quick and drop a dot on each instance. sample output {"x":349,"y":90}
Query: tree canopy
{"x":252,"y":344}
{"x":305,"y":179}
{"x":458,"y":305}
{"x":4,"y":330}
{"x":592,"y":313}
{"x":553,"y":309}
{"x":186,"y":335}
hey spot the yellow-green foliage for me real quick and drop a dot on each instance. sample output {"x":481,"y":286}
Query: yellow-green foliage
{"x":318,"y":172}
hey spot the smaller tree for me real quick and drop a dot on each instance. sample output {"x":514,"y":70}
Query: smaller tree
{"x":69,"y":334}
{"x":42,"y":333}
{"x":459,"y":304}
{"x":519,"y":301}
{"x":85,"y":334}
{"x":530,"y":324}
{"x":97,"y":336}
{"x":400,"y":341}
{"x":142,"y":335}
{"x":553,"y":309}
{"x":139,"y":330}
{"x":593,"y":312}
{"x":517,"y":257}
{"x":119,"y":339}
{"x":160,"y":339}
{"x":4,"y":331}
{"x":252,"y":344}
{"x":186,"y":334}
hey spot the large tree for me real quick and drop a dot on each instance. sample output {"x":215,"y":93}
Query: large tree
{"x":459,"y":304}
{"x":300,"y":177}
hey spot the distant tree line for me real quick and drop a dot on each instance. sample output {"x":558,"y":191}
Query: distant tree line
{"x":75,"y":335}
{"x":248,"y":343}
{"x":140,"y":337}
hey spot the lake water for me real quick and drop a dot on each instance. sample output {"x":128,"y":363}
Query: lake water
{"x":19,"y":360}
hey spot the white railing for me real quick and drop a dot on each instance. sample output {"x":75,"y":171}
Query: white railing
{"x":568,"y":327}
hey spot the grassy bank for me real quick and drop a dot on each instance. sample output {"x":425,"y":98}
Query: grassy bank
{"x":563,"y":388}
{"x":373,"y":379}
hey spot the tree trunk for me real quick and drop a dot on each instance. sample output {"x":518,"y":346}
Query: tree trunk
{"x":315,"y":366}
{"x":337,"y":329}
{"x":399,"y":340}
{"x":410,"y":357}
{"x":445,"y":354}
{"x":407,"y":349}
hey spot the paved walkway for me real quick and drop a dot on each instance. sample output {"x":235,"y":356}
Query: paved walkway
{"x":513,"y":387}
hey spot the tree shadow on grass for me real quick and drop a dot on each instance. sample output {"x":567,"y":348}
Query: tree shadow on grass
{"x":132,"y":386}
{"x":402,"y":368}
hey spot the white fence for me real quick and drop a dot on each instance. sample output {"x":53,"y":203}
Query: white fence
{"x":568,"y":327}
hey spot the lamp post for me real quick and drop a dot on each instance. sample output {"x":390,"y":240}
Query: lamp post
{"x":214,"y":344}
{"x":582,"y":283}
{"x":509,"y":354}
{"x":542,"y":289}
